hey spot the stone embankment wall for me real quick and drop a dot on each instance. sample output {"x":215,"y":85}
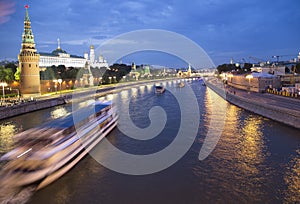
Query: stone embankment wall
{"x":31,"y":106}
{"x":276,"y":113}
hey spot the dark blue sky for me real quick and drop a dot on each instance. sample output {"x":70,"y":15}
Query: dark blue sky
{"x":223,"y":28}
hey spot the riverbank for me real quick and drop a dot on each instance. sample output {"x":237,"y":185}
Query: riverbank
{"x":51,"y":100}
{"x":284,"y":110}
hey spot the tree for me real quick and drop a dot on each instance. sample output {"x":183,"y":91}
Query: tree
{"x":11,"y":65}
{"x":17,"y":74}
{"x":6,"y":74}
{"x":297,"y":70}
{"x":48,"y":74}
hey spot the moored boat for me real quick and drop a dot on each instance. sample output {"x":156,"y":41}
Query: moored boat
{"x":159,"y":89}
{"x":43,"y":154}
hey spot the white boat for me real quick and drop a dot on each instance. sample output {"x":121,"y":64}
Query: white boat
{"x":43,"y":154}
{"x":159,"y":89}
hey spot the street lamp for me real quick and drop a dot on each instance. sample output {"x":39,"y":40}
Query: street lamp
{"x":3,"y":84}
{"x":109,"y":80}
{"x":55,"y":85}
{"x":59,"y":81}
{"x":18,"y":92}
{"x":249,"y":76}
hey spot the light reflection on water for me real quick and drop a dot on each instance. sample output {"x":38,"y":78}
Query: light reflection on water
{"x":7,"y":130}
{"x":292,"y":180}
{"x":255,"y":161}
{"x":58,"y":112}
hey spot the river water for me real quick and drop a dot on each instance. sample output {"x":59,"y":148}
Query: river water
{"x":256,"y":160}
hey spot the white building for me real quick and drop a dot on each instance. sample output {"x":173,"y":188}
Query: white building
{"x":101,"y":62}
{"x":61,"y":57}
{"x":275,"y":70}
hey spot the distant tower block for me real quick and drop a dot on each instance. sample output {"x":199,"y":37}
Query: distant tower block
{"x":29,"y":62}
{"x":299,"y":57}
{"x":92,"y":54}
{"x":86,"y":55}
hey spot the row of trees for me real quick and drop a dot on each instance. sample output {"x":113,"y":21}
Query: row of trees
{"x":247,"y":68}
{"x":62,"y":72}
{"x":233,"y":67}
{"x":7,"y":71}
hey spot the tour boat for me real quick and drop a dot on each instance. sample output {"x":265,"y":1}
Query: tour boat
{"x":43,"y":154}
{"x":159,"y":89}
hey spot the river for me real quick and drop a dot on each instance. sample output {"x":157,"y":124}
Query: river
{"x":256,"y":160}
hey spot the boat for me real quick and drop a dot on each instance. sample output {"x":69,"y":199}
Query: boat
{"x":181,"y":85}
{"x":159,"y":89}
{"x":43,"y":154}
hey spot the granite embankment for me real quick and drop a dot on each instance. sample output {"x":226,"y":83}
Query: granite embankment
{"x":281,"y":109}
{"x":29,"y":106}
{"x":51,"y":101}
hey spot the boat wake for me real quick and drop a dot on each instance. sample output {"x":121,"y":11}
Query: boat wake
{"x":16,"y":196}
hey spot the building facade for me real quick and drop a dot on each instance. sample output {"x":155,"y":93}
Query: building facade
{"x":101,"y":62}
{"x":256,"y":82}
{"x":29,"y":62}
{"x":61,"y":57}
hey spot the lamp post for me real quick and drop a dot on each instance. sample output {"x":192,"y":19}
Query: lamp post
{"x":109,"y":79}
{"x":59,"y":81}
{"x":3,"y":84}
{"x":249,"y":77}
{"x":18,"y":92}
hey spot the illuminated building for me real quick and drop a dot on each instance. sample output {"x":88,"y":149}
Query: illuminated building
{"x":29,"y":62}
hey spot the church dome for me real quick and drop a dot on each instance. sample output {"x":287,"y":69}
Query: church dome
{"x":57,"y":51}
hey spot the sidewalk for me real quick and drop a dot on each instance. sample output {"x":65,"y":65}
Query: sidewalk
{"x":281,"y":109}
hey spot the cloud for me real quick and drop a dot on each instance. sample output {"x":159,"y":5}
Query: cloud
{"x":7,"y":8}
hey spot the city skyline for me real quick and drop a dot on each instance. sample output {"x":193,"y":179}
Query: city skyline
{"x":225,"y":30}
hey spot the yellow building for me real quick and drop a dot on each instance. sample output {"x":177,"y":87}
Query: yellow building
{"x":29,"y":62}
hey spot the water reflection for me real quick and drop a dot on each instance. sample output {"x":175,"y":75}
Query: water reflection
{"x":292,"y":180}
{"x":250,"y":153}
{"x":58,"y":112}
{"x":7,"y":131}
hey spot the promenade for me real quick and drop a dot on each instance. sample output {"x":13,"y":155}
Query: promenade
{"x":282,"y":109}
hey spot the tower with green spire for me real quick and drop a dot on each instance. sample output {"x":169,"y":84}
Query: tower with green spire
{"x":29,"y":62}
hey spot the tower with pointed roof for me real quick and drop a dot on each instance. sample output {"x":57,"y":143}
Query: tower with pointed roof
{"x":92,"y":54}
{"x":29,"y":62}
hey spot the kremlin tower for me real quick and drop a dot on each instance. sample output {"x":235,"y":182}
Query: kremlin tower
{"x":29,"y":62}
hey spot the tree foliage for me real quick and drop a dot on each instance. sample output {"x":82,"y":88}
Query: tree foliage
{"x":12,"y":66}
{"x":17,"y":74}
{"x":6,"y":74}
{"x":117,"y":71}
{"x":297,"y":69}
